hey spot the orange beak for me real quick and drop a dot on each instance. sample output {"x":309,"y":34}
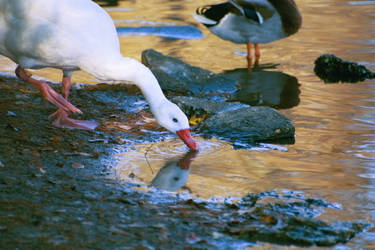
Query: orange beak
{"x":185,"y":136}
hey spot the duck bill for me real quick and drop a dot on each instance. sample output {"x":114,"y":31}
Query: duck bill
{"x":185,"y":136}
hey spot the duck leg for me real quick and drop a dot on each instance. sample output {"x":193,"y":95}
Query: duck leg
{"x":47,"y":92}
{"x":249,"y":58}
{"x":62,"y":120}
{"x":257,"y":53}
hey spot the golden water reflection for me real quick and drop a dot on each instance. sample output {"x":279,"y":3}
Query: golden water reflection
{"x":217,"y":169}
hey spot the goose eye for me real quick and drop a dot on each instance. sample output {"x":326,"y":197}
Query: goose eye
{"x":175,"y":120}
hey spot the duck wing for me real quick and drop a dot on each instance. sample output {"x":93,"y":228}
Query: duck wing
{"x":211,"y":15}
{"x":254,"y":10}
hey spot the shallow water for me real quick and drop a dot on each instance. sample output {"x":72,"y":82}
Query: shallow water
{"x":334,"y":152}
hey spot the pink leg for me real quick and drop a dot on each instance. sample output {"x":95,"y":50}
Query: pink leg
{"x":62,"y":120}
{"x":257,"y":53}
{"x":66,"y":84}
{"x":249,"y":58}
{"x":47,"y":92}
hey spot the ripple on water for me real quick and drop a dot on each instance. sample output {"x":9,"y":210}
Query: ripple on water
{"x":216,"y":170}
{"x":367,"y":175}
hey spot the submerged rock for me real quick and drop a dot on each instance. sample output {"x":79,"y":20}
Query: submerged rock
{"x":238,"y":123}
{"x":289,"y":221}
{"x":282,"y":228}
{"x":332,"y":69}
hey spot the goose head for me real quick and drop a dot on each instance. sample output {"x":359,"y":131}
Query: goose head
{"x":171,"y":117}
{"x":166,"y":113}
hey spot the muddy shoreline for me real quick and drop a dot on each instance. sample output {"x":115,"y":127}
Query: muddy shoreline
{"x":56,"y":191}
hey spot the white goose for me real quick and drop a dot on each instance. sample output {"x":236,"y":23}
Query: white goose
{"x":72,"y":35}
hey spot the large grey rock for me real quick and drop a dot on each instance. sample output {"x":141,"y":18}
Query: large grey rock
{"x":249,"y":124}
{"x":238,"y":123}
{"x":177,"y":76}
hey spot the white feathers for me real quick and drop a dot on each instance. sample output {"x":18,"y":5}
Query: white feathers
{"x":204,"y":20}
{"x":78,"y":34}
{"x":260,"y":18}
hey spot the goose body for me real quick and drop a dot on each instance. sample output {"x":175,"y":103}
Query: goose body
{"x":251,"y":21}
{"x":78,"y":35}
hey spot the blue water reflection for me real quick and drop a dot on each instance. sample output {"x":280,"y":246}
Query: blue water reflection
{"x":175,"y":32}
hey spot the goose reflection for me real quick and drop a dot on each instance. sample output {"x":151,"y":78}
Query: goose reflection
{"x":265,"y":88}
{"x":174,"y":174}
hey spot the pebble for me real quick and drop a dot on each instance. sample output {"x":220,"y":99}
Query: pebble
{"x":10,"y":113}
{"x":34,"y":154}
{"x":77,"y":165}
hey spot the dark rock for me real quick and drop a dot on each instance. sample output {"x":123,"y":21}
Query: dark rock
{"x":248,"y":125}
{"x":177,"y":76}
{"x":331,"y":69}
{"x":238,"y":123}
